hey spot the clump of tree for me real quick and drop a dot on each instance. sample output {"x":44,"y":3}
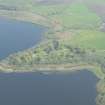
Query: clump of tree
{"x":57,"y":52}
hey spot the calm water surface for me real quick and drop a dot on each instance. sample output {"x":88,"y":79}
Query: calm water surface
{"x":38,"y":89}
{"x":16,"y":35}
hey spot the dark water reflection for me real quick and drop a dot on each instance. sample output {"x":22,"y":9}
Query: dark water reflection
{"x":16,"y":35}
{"x":54,"y":89}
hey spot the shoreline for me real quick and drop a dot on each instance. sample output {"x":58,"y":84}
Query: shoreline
{"x":53,"y":68}
{"x":26,"y":17}
{"x":43,"y":21}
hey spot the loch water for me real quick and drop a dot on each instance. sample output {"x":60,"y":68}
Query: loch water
{"x":18,"y":35}
{"x":54,"y":89}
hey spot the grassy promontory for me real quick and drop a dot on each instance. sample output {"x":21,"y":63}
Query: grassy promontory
{"x":55,"y":55}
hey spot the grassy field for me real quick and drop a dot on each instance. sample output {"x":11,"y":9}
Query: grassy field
{"x":89,"y":39}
